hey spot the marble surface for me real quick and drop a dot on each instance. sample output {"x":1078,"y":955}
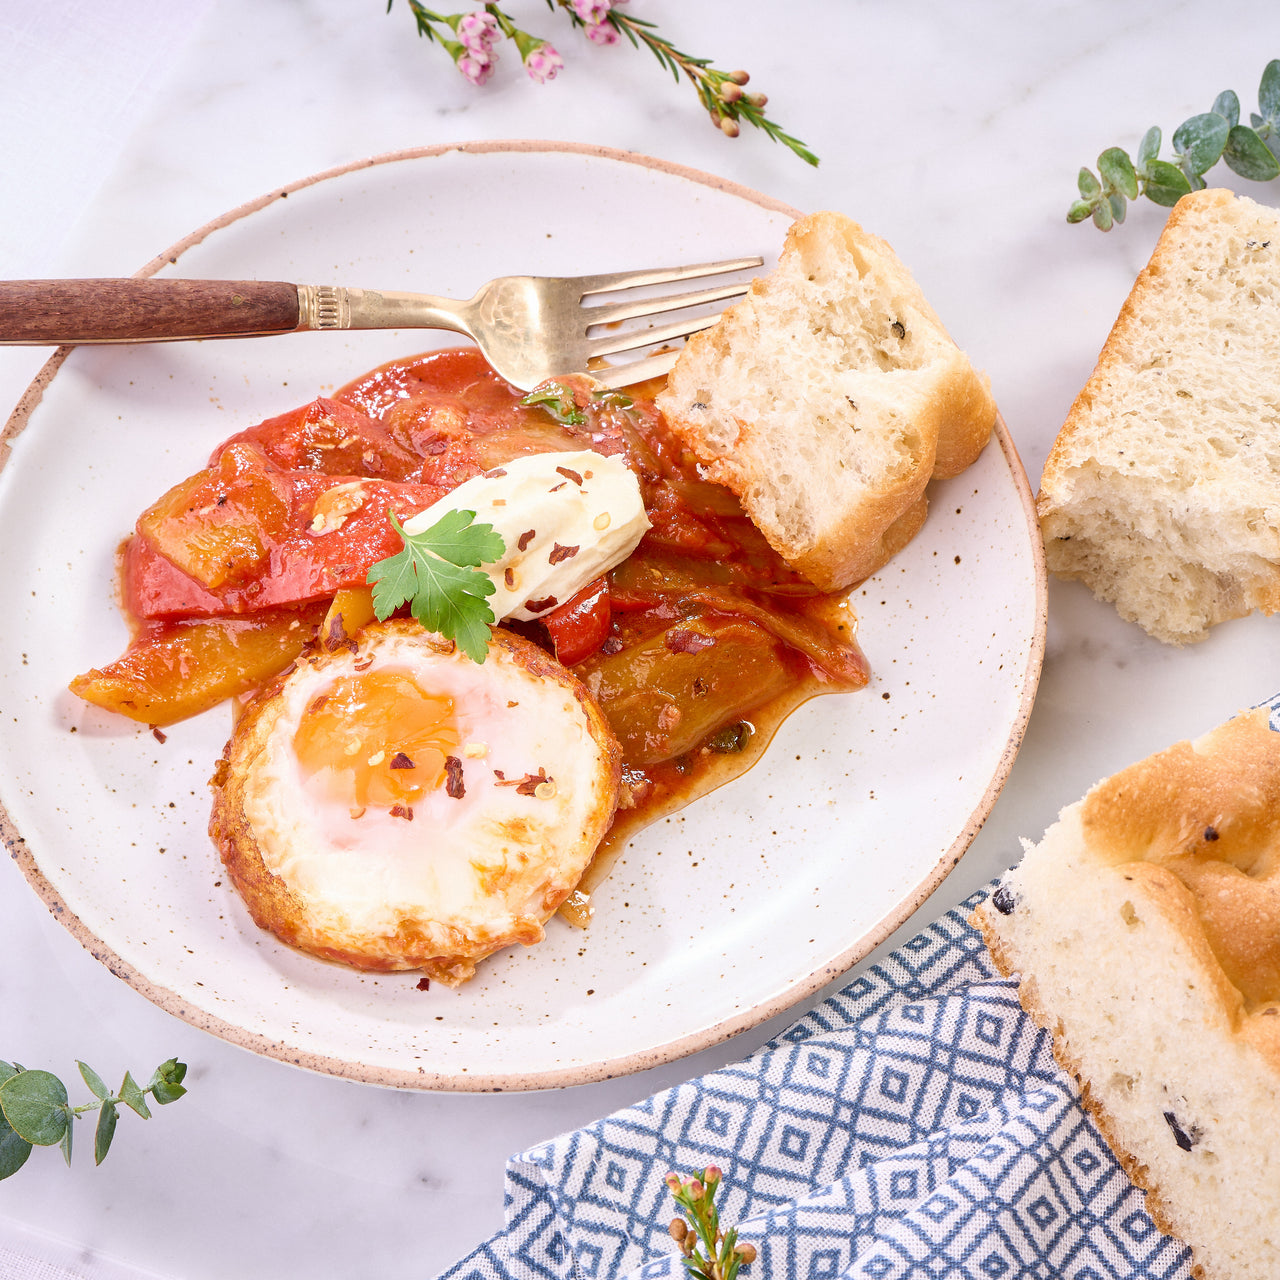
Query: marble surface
{"x":956,"y":132}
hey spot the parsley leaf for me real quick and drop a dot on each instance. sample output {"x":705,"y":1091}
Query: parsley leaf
{"x":556,"y":399}
{"x":436,"y":575}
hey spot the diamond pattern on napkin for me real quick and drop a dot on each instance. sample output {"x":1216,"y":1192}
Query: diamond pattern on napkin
{"x":914,"y":1125}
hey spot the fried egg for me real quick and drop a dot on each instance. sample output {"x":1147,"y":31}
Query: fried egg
{"x":394,"y":805}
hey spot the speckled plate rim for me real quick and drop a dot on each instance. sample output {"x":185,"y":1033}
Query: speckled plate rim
{"x":639,"y":1060}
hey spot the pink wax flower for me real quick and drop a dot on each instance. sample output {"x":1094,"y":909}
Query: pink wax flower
{"x":476,"y":65}
{"x":601,"y":33}
{"x":592,"y":12}
{"x":542,"y":62}
{"x":478,"y":31}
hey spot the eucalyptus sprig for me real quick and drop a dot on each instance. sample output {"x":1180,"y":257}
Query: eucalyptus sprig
{"x":708,"y":1253}
{"x":35,"y":1109}
{"x":471,"y":40}
{"x":1198,"y":144}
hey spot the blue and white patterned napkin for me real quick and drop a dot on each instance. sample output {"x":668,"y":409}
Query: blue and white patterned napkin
{"x":913,"y":1125}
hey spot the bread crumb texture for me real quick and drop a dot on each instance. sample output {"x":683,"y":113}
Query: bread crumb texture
{"x":1145,"y":928}
{"x":1162,"y":490}
{"x":827,"y":399}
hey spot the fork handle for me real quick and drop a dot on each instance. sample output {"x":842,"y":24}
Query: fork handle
{"x":51,"y":312}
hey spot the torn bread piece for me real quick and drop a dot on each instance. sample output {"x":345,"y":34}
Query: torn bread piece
{"x":827,"y":399}
{"x":1145,"y":928}
{"x":1162,"y":490}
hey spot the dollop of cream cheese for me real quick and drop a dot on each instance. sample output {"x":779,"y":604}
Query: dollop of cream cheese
{"x":565,"y":518}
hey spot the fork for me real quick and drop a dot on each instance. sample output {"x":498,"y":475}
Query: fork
{"x":529,"y":328}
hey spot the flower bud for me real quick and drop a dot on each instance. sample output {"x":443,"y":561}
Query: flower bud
{"x":673,"y":1181}
{"x":729,"y":127}
{"x":747,"y":1252}
{"x":756,"y":99}
{"x":712,"y":1173}
{"x":677,"y":1229}
{"x":739,"y":77}
{"x":696,"y":1189}
{"x":730,"y":91}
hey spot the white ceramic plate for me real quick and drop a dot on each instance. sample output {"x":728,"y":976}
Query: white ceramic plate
{"x":765,"y":890}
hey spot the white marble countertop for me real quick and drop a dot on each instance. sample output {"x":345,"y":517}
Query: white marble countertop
{"x":954,"y":131}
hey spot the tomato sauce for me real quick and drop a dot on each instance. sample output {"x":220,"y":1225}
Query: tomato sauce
{"x":695,"y":647}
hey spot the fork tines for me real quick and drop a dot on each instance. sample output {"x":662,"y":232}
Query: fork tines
{"x":610,"y":314}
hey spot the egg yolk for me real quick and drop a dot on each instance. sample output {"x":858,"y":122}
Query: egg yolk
{"x":379,"y":738}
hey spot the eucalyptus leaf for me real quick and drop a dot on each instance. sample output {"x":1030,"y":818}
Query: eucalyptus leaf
{"x":1088,"y":183}
{"x":1227,"y":105}
{"x":166,"y":1081}
{"x":1166,"y":183}
{"x":8,"y":1069}
{"x":105,"y":1131}
{"x":1079,"y":211}
{"x":67,"y":1135}
{"x":93,"y":1080}
{"x":1117,"y":172}
{"x":1149,"y":147}
{"x":132,"y":1096}
{"x":35,"y":1105}
{"x":1118,"y":206}
{"x":1269,"y":93}
{"x":1102,"y":218}
{"x":1198,"y":142}
{"x":1250,"y":157}
{"x":13,"y":1151}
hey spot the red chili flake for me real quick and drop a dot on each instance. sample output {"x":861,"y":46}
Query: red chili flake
{"x":612,"y":645}
{"x":682,"y":640}
{"x":401,"y":761}
{"x":453,"y":778}
{"x":525,"y":538}
{"x":336,"y":636}
{"x":555,"y":488}
{"x":570,"y":474}
{"x":424,"y":984}
{"x":317,"y":704}
{"x":495,"y":473}
{"x":158,"y":734}
{"x":539,"y":606}
{"x":509,"y":577}
{"x":402,"y":811}
{"x":525,"y":786}
{"x":559,"y":553}
{"x":435,"y":447}
{"x":363,"y":664}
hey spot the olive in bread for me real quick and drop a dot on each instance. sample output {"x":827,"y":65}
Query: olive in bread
{"x":1162,"y":490}
{"x":827,"y":399}
{"x":1145,"y":928}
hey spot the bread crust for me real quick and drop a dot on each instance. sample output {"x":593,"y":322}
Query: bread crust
{"x":838,"y":340}
{"x":1170,"y":946}
{"x":1158,"y":492}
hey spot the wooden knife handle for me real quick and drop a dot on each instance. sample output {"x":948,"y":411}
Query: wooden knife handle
{"x":50,"y":312}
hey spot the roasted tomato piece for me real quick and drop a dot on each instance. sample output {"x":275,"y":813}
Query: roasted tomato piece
{"x":331,"y":437}
{"x":179,"y":669}
{"x":581,"y":625}
{"x":337,"y":528}
{"x":218,"y":526}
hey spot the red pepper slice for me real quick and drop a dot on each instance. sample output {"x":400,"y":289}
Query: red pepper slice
{"x":581,"y":625}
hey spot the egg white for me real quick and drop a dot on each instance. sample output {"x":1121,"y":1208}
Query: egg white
{"x":469,"y":873}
